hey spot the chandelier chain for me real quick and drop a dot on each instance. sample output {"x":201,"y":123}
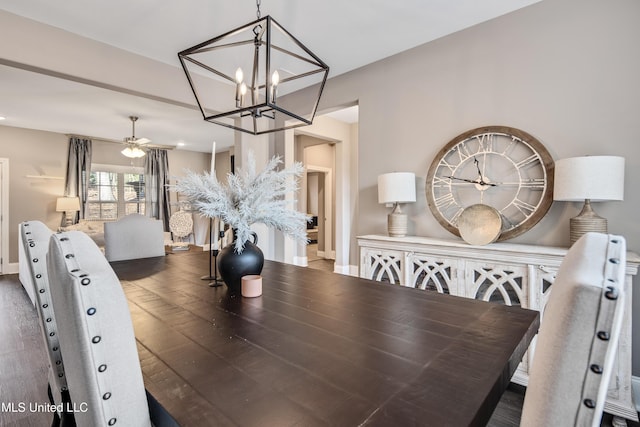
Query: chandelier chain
{"x":258,"y":2}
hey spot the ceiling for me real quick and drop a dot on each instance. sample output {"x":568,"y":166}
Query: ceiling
{"x":344,"y":34}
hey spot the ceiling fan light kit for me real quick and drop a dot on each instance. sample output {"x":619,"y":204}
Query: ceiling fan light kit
{"x":239,"y":78}
{"x":133,"y":152}
{"x":132,"y":143}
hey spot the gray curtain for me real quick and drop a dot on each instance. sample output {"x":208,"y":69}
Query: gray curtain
{"x":78,"y":172}
{"x":156,"y":185}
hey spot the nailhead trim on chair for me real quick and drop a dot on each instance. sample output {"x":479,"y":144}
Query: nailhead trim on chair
{"x":612,"y":293}
{"x":608,"y":303}
{"x":37,"y":269}
{"x":85,"y":280}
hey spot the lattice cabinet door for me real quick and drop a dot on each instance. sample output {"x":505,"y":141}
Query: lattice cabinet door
{"x":382,"y":265}
{"x":432,"y":273}
{"x":497,"y":283}
{"x":542,"y":277}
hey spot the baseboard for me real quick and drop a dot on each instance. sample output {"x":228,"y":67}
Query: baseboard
{"x":635,"y":388}
{"x":301,"y":261}
{"x":12,"y":268}
{"x":327,"y":255}
{"x":349,"y":270}
{"x":354,"y":271}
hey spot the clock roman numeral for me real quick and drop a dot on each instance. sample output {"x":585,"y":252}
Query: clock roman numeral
{"x":446,"y":164}
{"x":513,"y":141}
{"x":441,"y":182}
{"x":454,"y":218}
{"x":463,"y":152}
{"x":528,"y":161}
{"x":534,"y":183}
{"x":486,"y":142}
{"x":523,"y":207}
{"x":445,"y":201}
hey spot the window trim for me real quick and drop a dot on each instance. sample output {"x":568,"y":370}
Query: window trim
{"x":120,"y":170}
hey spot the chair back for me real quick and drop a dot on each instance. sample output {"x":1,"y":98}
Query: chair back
{"x":35,"y":236}
{"x":24,"y":273}
{"x":134,"y":236}
{"x":577,"y":342}
{"x":96,"y":335}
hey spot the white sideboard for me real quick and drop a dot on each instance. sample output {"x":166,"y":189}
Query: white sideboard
{"x":506,"y":273}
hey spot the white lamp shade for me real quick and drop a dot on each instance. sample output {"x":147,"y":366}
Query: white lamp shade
{"x":397,"y":187}
{"x":67,"y":204}
{"x":596,"y":178}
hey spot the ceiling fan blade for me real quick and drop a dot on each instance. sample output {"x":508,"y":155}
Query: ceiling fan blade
{"x":142,"y":141}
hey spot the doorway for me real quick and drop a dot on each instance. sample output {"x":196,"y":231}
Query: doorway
{"x":342,"y":134}
{"x":320,"y":206}
{"x":4,"y":215}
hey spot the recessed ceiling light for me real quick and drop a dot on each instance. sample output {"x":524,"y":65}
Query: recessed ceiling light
{"x":180,"y":144}
{"x":2,"y":118}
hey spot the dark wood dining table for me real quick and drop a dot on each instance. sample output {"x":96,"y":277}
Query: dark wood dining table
{"x":317,"y":348}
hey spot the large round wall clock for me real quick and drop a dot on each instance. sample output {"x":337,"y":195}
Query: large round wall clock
{"x":498,"y":166}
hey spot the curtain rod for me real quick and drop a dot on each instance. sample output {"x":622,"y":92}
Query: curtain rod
{"x":114,"y":141}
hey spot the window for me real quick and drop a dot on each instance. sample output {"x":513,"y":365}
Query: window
{"x":114,"y":192}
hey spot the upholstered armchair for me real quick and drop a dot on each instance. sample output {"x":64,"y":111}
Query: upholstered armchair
{"x":134,"y":236}
{"x":34,"y":238}
{"x":576,"y":346}
{"x":96,"y":335}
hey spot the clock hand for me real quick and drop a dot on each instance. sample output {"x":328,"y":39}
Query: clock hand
{"x":462,"y":179}
{"x":475,"y":162}
{"x":480,"y":176}
{"x":481,"y":182}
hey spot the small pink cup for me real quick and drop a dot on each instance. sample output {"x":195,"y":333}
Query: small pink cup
{"x":251,"y":286}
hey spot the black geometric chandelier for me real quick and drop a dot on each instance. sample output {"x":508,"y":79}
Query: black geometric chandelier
{"x":240,"y":78}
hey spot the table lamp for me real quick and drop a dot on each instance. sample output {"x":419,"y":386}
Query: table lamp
{"x":592,"y":179}
{"x":68,"y":205}
{"x":397,"y":187}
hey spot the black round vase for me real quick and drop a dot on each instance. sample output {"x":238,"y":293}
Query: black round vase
{"x":233,"y":265}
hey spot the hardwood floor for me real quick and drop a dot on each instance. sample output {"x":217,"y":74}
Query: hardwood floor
{"x":23,"y":366}
{"x":23,"y":362}
{"x":316,"y":262}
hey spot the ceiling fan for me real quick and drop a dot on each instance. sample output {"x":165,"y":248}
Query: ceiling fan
{"x":133,"y":145}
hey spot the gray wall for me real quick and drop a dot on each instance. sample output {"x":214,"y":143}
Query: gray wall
{"x":565,"y":71}
{"x":33,"y":152}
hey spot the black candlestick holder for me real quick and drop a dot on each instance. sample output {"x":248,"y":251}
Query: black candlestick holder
{"x":212,"y":277}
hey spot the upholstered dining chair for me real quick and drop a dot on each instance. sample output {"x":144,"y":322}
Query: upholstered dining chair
{"x":35,"y":242}
{"x":134,"y":236}
{"x":96,"y":335}
{"x":576,"y":345}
